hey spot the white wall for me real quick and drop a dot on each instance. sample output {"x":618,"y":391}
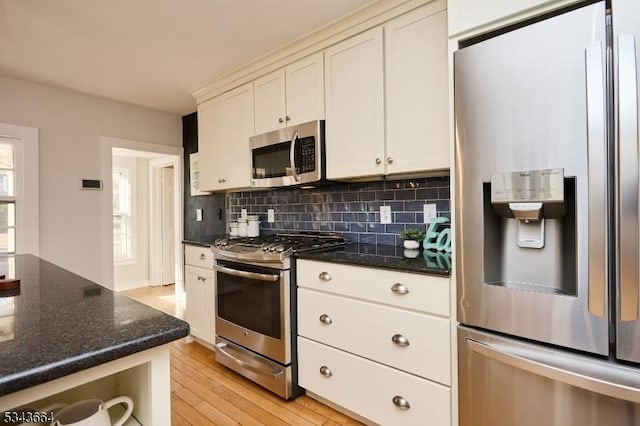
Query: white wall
{"x":71,"y":124}
{"x":134,"y":274}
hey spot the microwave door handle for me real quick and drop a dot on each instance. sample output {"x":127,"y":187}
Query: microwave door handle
{"x":628,"y":175}
{"x":292,"y":155}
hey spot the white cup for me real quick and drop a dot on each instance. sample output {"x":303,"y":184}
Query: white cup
{"x":92,"y":412}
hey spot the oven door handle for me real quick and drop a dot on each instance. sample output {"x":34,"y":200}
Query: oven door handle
{"x":275,"y":373}
{"x":246,"y":274}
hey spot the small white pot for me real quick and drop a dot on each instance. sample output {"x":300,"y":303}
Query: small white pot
{"x":411,"y":244}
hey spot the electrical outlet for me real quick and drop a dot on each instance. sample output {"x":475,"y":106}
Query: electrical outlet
{"x":430,"y":212}
{"x":271,"y":215}
{"x":243,"y":213}
{"x":198,"y":215}
{"x":385,"y":214}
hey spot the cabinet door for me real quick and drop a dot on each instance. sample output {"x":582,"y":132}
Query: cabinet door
{"x":239,"y":127}
{"x":305,"y":90}
{"x":211,"y":129}
{"x":200,"y":302}
{"x":417,"y":89}
{"x":269,"y":102}
{"x":355,"y":106}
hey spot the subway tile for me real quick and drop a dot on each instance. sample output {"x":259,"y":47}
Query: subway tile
{"x":349,"y":217}
{"x":427,"y":194}
{"x":396,"y":206}
{"x":414,"y":206}
{"x":405,"y":217}
{"x":385,"y":195}
{"x":375,"y":227}
{"x":442,"y":205}
{"x":367,"y":238}
{"x":350,"y":236}
{"x":366,"y":217}
{"x":374,"y":186}
{"x":394,"y":228}
{"x":386,"y":239}
{"x":366,"y":196}
{"x":349,"y":196}
{"x":326,"y":226}
{"x":335,"y":217}
{"x":341,"y":226}
{"x":407,"y":194}
{"x":357,"y":227}
{"x":444,"y":193}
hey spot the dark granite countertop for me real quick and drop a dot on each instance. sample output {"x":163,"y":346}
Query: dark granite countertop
{"x":61,"y":323}
{"x":205,"y":240}
{"x":387,"y":257}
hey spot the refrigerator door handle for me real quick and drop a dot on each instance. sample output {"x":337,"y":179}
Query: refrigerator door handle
{"x":597,"y":158}
{"x":628,"y":175}
{"x":564,"y":369}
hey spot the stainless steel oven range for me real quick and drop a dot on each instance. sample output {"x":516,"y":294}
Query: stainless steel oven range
{"x":256,"y":309}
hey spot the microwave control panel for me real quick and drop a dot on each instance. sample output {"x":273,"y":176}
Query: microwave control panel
{"x":306,"y":155}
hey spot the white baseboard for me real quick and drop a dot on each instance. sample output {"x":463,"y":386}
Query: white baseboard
{"x":131,"y":286}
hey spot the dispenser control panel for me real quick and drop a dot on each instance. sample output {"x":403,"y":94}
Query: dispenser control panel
{"x":528,"y":186}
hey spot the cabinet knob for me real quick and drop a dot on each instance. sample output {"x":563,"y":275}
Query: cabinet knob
{"x":401,"y":403}
{"x":280,"y":120}
{"x":325,"y":276}
{"x":324,"y":318}
{"x":223,"y":180}
{"x":219,"y":180}
{"x":325,"y":371}
{"x":400,"y":340}
{"x":203,"y":279}
{"x":288,"y":118}
{"x":399,"y":288}
{"x":378,"y":161}
{"x":389,"y":160}
{"x":203,"y":256}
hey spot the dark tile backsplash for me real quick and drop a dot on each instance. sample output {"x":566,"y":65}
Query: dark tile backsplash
{"x":352,"y":209}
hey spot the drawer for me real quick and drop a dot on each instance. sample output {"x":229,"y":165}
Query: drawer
{"x":369,"y":389}
{"x":425,"y":293}
{"x":198,"y":256}
{"x":367,"y":329}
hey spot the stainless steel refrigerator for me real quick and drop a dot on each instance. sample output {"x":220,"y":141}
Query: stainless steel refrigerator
{"x":547,"y":221}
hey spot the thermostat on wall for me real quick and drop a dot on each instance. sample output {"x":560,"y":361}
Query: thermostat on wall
{"x":91,"y":184}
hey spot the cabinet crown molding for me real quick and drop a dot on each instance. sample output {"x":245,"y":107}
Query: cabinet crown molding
{"x":363,"y":19}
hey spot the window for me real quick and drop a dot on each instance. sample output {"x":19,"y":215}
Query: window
{"x":7,"y":195}
{"x":123,"y":211}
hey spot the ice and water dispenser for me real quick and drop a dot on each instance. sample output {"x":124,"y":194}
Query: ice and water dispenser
{"x":530,"y":231}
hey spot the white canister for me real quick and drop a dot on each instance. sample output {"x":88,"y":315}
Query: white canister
{"x":233,"y":229}
{"x":253,"y":226}
{"x":242,"y":227}
{"x":92,"y":412}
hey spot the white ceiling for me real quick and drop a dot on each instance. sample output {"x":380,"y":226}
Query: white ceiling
{"x":149,"y":52}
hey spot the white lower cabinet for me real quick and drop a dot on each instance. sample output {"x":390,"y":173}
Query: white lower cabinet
{"x":377,"y":392}
{"x":376,"y":342}
{"x":200,"y":289}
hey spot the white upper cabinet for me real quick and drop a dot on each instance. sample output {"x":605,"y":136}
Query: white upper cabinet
{"x":354,"y":96}
{"x":269,"y":102}
{"x":417,"y":90}
{"x":225,"y":125}
{"x":290,"y":96}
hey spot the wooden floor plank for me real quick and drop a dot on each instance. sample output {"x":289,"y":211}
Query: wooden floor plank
{"x":206,"y":393}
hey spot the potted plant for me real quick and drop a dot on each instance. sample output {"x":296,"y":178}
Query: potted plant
{"x":412,"y":238}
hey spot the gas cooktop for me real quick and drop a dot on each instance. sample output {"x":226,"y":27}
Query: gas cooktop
{"x":275,"y":247}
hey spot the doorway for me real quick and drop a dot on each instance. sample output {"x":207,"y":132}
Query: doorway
{"x":147,"y":215}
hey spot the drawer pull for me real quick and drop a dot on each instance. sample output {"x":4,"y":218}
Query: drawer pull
{"x":399,"y":289}
{"x":325,"y":276}
{"x":325,"y":371}
{"x":400,"y":340}
{"x":400,"y":402}
{"x":203,"y":256}
{"x":203,"y":279}
{"x":326,"y":319}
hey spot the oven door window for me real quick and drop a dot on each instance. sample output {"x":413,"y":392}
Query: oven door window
{"x":272,"y":161}
{"x":247,"y":301}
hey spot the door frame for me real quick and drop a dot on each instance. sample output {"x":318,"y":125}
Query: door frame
{"x":108,"y":143}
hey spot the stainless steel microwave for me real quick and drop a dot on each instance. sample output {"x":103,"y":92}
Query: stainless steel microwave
{"x":286,"y":157}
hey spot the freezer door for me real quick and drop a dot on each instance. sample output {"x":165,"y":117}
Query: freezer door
{"x":529,"y":104}
{"x":505,"y":382}
{"x":626,"y":38}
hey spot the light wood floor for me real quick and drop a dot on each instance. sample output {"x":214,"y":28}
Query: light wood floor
{"x":204,"y":392}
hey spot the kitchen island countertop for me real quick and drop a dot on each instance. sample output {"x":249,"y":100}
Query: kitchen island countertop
{"x":386,"y":257}
{"x":61,"y":323}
